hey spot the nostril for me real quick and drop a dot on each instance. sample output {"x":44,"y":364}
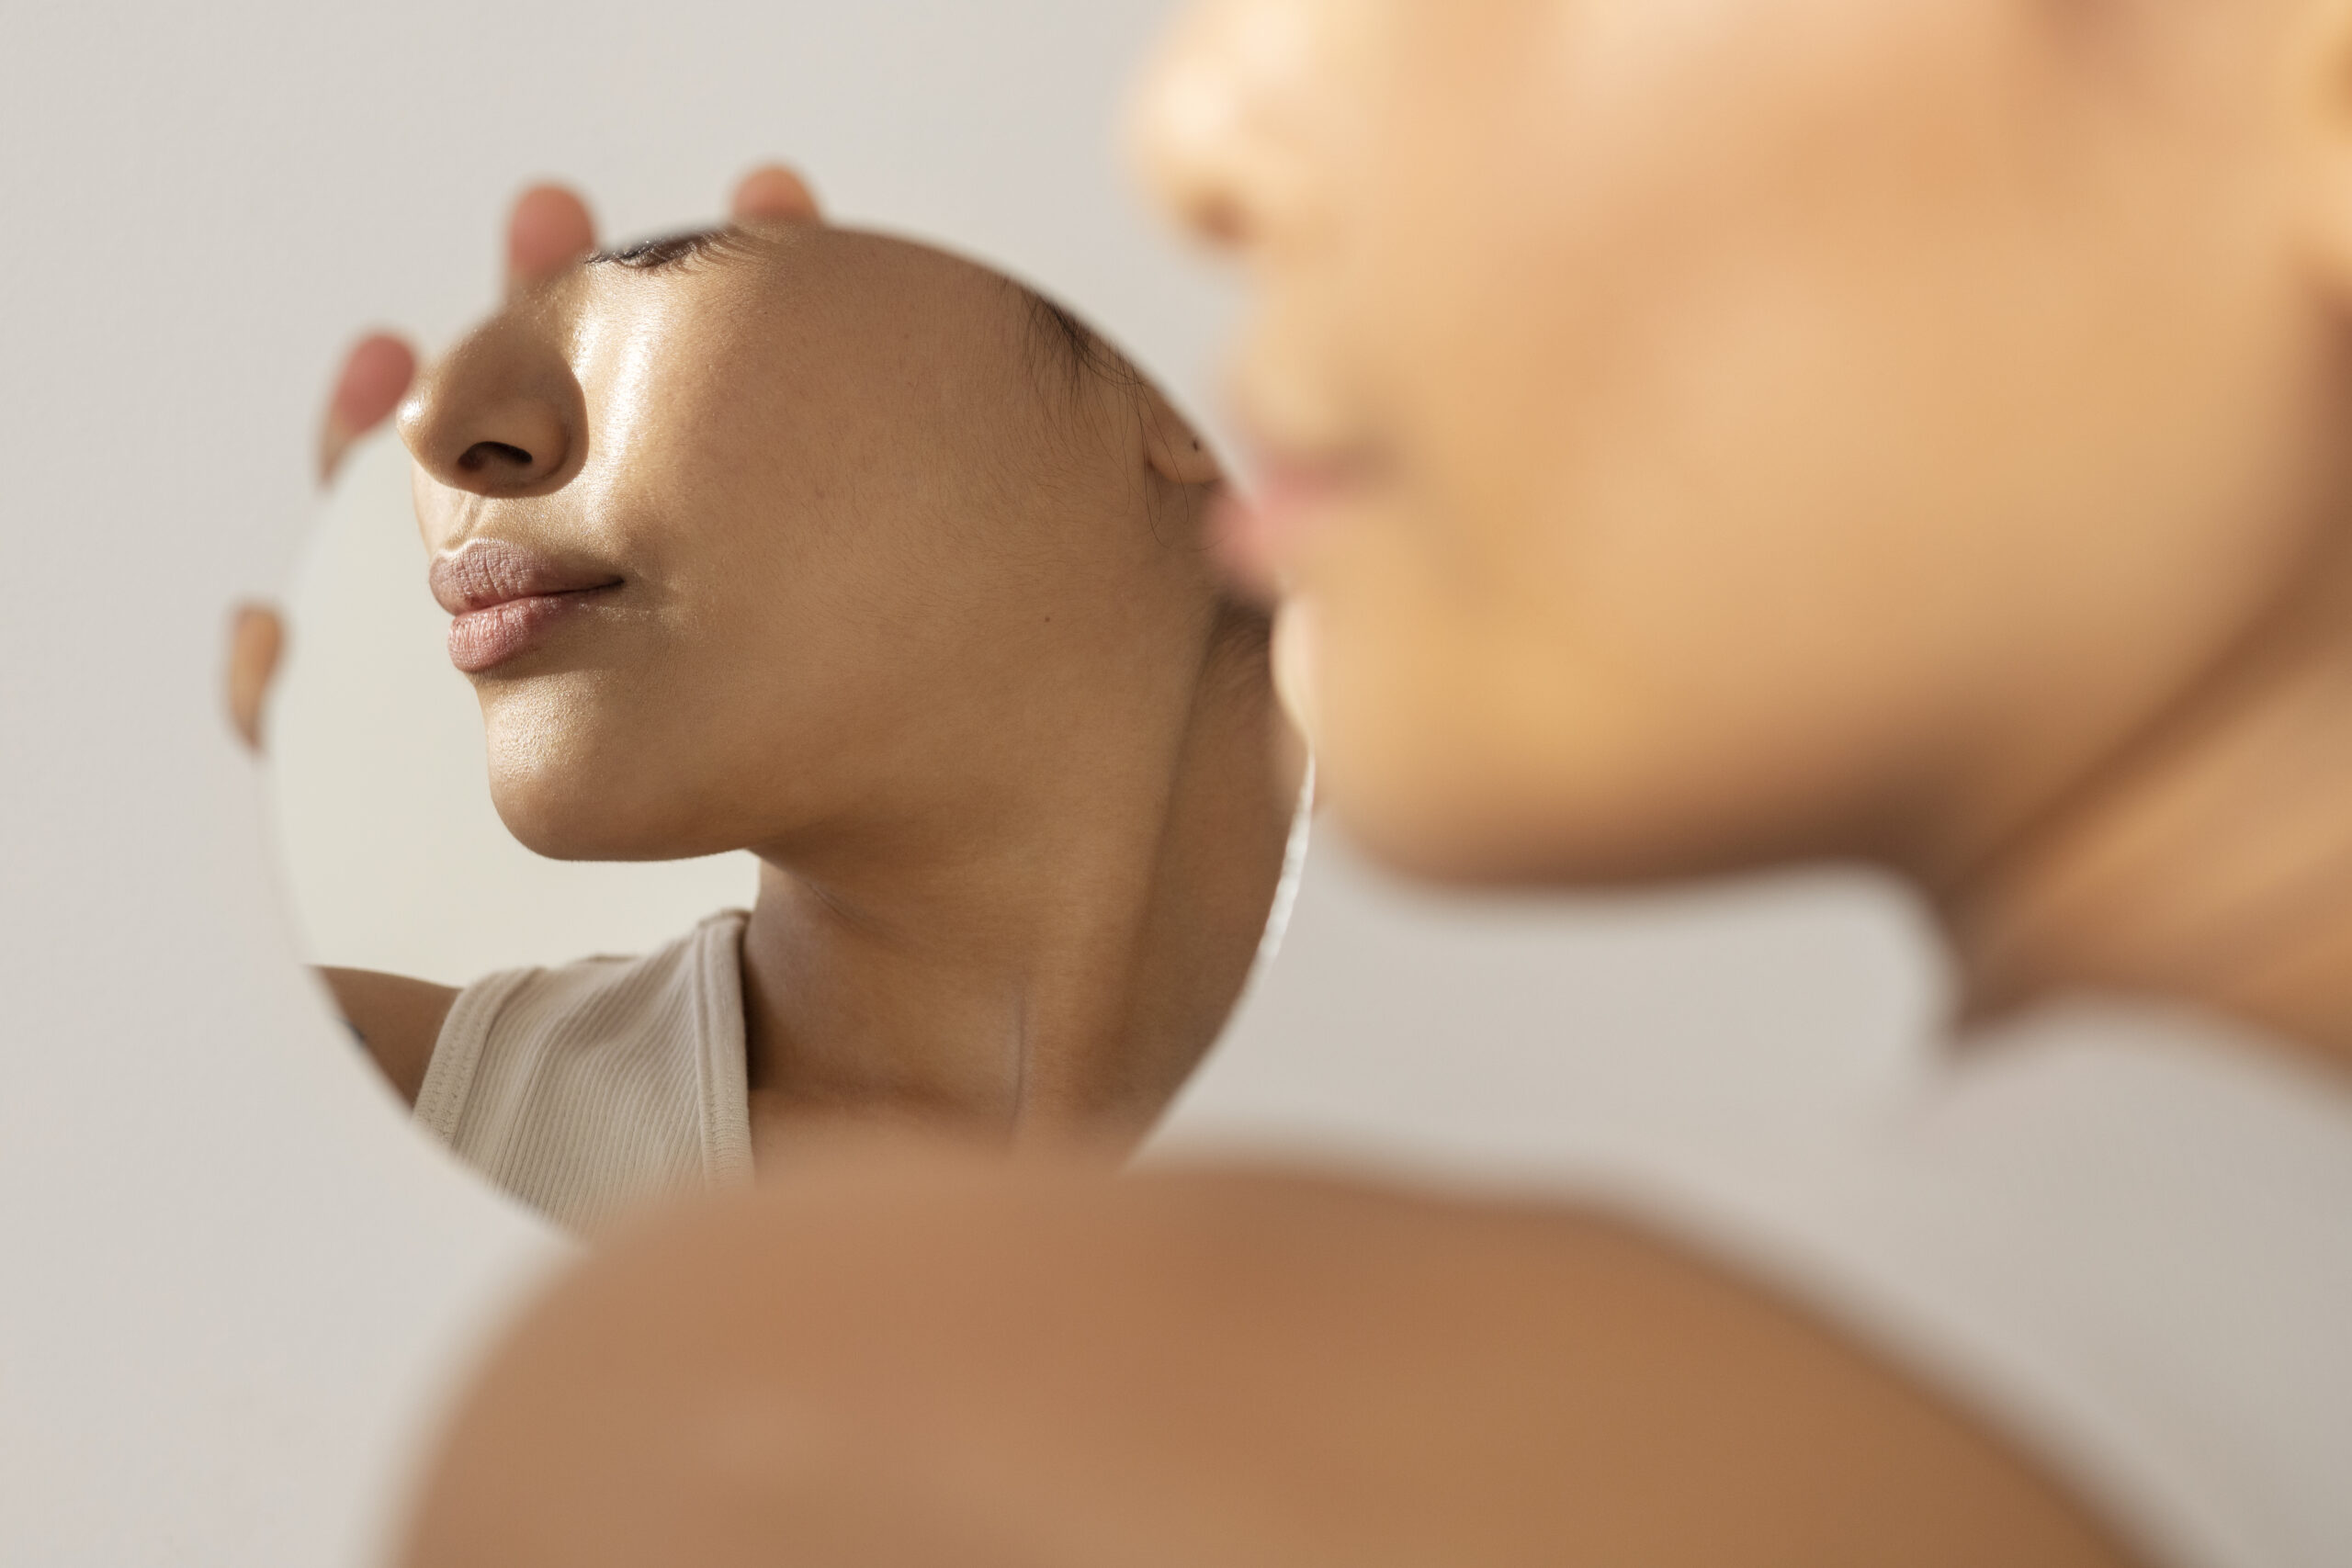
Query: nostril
{"x":1220,"y":220}
{"x":492,"y":454}
{"x":501,"y":414}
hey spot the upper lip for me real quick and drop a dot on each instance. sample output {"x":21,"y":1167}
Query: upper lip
{"x":488,"y":573}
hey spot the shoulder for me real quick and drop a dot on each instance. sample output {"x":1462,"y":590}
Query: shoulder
{"x":1242,"y":1368}
{"x":398,"y":1019}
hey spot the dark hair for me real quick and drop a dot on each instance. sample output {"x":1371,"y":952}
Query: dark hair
{"x":1074,"y":346}
{"x":664,"y":250}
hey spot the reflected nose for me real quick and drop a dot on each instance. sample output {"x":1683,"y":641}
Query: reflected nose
{"x":1216,"y":123}
{"x":502,"y":414}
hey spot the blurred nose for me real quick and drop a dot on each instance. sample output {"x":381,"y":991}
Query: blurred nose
{"x":1220,"y":124}
{"x":502,"y":414}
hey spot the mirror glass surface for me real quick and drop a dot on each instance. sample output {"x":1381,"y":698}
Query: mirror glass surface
{"x":777,"y":686}
{"x":393,"y":855}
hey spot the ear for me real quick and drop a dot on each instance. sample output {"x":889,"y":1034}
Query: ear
{"x":2322,"y":66}
{"x":1174,"y":449}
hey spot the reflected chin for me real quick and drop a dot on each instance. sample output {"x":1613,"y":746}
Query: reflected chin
{"x":560,"y":799}
{"x":559,"y":824}
{"x":561,"y":821}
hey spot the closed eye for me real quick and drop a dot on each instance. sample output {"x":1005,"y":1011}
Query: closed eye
{"x":666,"y":250}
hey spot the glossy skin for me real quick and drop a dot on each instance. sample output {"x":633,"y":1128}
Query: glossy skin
{"x":1703,"y":433}
{"x":863,"y":528}
{"x":889,"y":589}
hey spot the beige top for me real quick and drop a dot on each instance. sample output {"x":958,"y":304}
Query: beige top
{"x":2121,"y":1232}
{"x":592,"y":1087}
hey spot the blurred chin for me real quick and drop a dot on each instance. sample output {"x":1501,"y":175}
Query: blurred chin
{"x":1464,"y":780}
{"x":1437,"y":821}
{"x":1438,"y":825}
{"x":1407,"y":762}
{"x":1466,"y":794}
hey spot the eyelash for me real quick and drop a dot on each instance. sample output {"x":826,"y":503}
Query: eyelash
{"x":663,"y":251}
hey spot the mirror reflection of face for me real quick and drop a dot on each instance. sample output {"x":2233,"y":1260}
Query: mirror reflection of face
{"x":770,"y":536}
{"x":859,"y":557}
{"x":1713,"y":430}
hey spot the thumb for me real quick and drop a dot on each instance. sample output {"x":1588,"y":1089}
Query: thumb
{"x":256,"y":639}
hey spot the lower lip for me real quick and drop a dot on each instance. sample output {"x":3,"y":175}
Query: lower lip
{"x":481,"y":640}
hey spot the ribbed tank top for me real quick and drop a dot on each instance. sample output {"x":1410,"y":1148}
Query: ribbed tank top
{"x":592,"y":1087}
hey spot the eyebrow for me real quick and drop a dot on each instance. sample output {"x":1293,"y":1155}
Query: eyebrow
{"x":661,"y":250}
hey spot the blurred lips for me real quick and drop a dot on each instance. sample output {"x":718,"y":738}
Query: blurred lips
{"x":1262,"y":539}
{"x":504,"y":599}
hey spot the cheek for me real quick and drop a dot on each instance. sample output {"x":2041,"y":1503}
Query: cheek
{"x":1637,"y":618}
{"x":1722,"y":407}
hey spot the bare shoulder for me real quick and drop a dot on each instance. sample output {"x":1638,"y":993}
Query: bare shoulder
{"x":398,"y":1019}
{"x":968,"y":1365}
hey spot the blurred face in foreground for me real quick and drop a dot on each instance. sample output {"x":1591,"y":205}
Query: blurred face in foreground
{"x":1701,"y":432}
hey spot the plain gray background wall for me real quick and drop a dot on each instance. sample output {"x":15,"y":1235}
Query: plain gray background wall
{"x":231,"y":1284}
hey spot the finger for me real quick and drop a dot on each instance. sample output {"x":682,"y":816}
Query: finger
{"x":550,"y":230}
{"x":774,"y":194}
{"x":376,"y":376}
{"x":256,"y":638}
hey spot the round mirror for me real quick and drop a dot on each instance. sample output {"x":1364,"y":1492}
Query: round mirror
{"x":776,"y":684}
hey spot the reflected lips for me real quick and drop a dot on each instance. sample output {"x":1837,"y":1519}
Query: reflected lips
{"x":503,"y":599}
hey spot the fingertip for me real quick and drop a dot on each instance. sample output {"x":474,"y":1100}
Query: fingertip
{"x":256,"y":641}
{"x":774,"y":193}
{"x":376,"y":375}
{"x":550,"y":228}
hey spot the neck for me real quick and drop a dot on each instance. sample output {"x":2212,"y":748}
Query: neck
{"x":1048,"y":973}
{"x":2210,"y":862}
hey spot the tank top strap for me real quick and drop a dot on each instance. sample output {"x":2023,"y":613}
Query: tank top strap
{"x":590,"y":1088}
